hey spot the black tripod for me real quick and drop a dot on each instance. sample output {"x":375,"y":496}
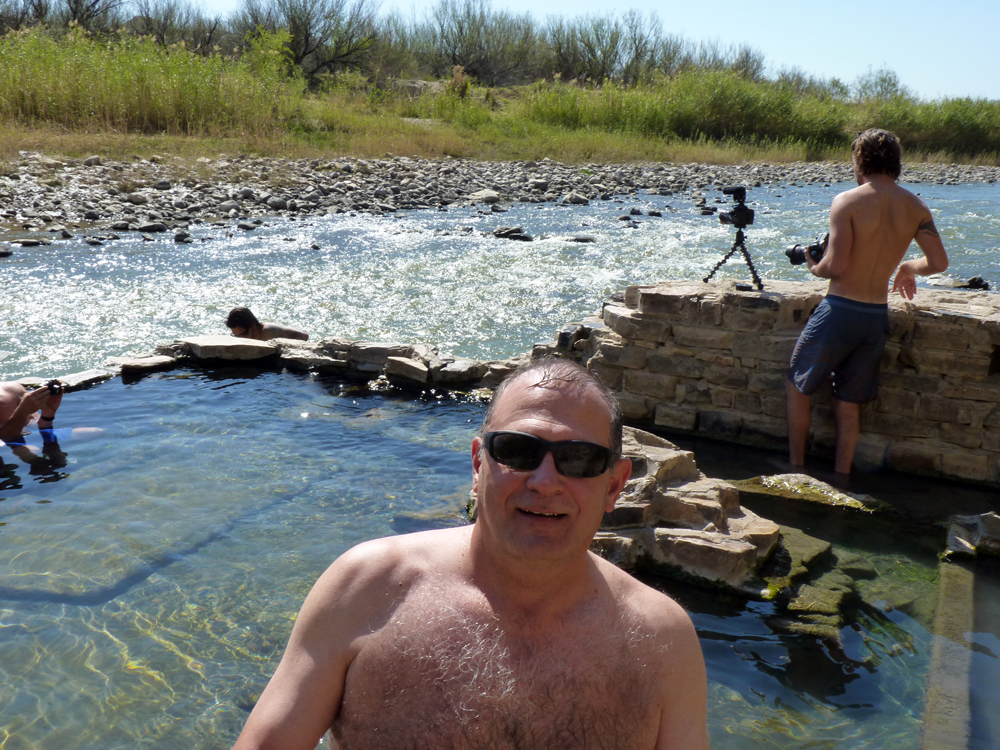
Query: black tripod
{"x":740,"y":245}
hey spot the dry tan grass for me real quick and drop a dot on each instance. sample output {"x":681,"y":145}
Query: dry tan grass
{"x":369,"y":135}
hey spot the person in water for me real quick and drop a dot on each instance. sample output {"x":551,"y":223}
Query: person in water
{"x":244,"y":324}
{"x":871,"y":228}
{"x":507,"y":633}
{"x":19,"y":407}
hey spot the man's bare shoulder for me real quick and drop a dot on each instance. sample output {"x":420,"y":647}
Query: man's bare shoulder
{"x":856,"y":196}
{"x":381,"y":570}
{"x":655,"y":611}
{"x":671,"y":652}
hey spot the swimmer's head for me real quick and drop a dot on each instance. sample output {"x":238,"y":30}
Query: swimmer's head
{"x":241,"y":318}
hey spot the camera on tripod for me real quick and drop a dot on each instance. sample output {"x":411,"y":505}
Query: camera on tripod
{"x":740,"y":217}
{"x":797,"y":253}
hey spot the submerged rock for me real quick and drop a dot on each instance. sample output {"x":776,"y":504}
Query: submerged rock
{"x":809,"y":489}
{"x":970,"y":535}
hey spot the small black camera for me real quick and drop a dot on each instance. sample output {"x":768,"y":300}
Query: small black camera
{"x":797,"y":253}
{"x":740,"y":217}
{"x":55,"y":387}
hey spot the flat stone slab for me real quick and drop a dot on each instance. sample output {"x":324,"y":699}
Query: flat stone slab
{"x":460,"y":371}
{"x":408,"y":369}
{"x":228,"y":347}
{"x":142,"y":364}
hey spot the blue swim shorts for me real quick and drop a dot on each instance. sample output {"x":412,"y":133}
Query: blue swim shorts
{"x":843,"y":340}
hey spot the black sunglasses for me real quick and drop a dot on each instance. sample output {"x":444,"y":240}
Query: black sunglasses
{"x":573,"y":458}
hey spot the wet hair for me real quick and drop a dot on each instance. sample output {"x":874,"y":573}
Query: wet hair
{"x":553,"y":370}
{"x":241,"y":317}
{"x":877,"y":151}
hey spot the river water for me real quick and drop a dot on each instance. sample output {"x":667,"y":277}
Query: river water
{"x":428,"y":276}
{"x":149,"y":574}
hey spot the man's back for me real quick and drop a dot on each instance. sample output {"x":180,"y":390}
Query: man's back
{"x":877,"y":221}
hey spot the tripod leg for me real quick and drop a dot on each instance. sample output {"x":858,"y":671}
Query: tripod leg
{"x":721,"y":263}
{"x":753,"y":271}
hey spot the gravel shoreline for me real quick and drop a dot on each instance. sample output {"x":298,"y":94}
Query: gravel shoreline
{"x":43,"y":198}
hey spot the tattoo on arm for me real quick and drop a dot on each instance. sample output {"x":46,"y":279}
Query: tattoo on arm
{"x":928,"y":226}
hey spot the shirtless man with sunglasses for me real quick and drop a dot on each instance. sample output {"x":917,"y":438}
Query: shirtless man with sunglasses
{"x":508,"y":633}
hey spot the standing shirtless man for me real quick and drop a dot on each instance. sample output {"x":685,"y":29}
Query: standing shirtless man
{"x":508,"y":633}
{"x":871,"y":228}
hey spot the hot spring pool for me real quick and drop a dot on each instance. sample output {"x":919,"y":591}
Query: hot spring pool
{"x":149,"y":575}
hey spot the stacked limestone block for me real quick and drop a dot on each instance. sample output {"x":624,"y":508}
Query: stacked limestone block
{"x":672,"y":519}
{"x":712,"y":359}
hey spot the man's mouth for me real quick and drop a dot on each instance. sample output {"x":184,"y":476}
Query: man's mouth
{"x":540,"y":514}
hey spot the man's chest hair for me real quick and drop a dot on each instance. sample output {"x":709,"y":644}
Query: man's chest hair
{"x":453,"y":678}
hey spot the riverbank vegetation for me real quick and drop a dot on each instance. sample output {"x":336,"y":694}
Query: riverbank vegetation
{"x":302,"y":77}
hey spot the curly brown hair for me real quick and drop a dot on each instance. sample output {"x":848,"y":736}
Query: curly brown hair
{"x":877,"y":151}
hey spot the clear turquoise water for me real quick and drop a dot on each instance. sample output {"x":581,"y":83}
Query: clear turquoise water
{"x":147,"y":584}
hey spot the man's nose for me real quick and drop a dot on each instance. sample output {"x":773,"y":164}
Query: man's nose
{"x":545,"y":478}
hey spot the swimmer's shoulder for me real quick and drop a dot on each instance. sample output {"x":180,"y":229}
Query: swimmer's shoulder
{"x":275,"y":331}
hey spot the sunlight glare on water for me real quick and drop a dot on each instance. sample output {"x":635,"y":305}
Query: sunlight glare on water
{"x":436,"y":277}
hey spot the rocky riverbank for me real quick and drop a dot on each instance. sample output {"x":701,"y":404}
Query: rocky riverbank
{"x":45,"y":197}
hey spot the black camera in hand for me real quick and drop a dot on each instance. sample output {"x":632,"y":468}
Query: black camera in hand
{"x":55,"y":387}
{"x":740,"y":217}
{"x":797,"y":253}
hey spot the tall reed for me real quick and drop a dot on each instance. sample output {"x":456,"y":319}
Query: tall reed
{"x":131,"y":84}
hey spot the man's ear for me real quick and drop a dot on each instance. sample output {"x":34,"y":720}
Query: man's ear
{"x":619,"y":475}
{"x":477,"y":461}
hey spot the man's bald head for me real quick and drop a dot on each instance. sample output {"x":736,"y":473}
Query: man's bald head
{"x":552,"y":372}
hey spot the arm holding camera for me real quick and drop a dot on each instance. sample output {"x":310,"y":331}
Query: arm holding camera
{"x":837,"y":256}
{"x":18,"y":405}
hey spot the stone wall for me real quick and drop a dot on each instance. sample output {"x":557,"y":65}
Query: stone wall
{"x":711,"y":359}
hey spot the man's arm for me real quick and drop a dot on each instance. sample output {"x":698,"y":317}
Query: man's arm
{"x":838,"y":251}
{"x":935,"y":258}
{"x":350,"y":600}
{"x":683,"y":718}
{"x":40,"y":398}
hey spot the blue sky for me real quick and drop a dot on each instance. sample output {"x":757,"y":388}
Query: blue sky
{"x":938,"y":49}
